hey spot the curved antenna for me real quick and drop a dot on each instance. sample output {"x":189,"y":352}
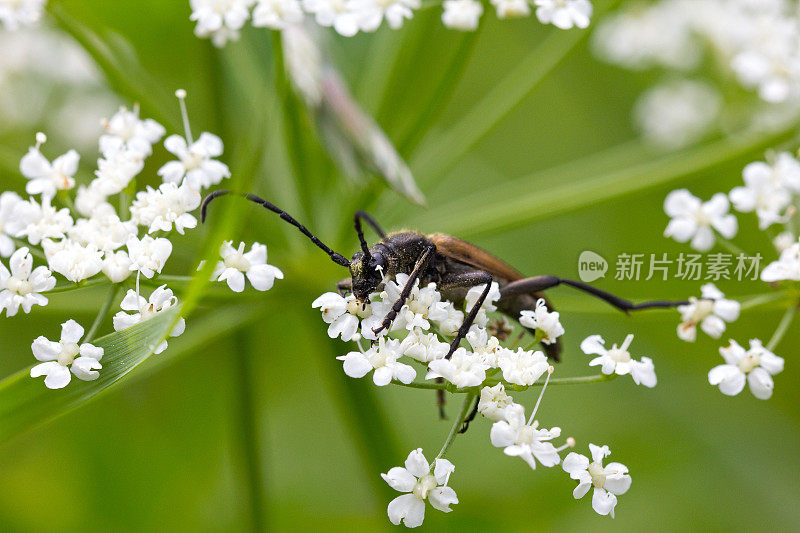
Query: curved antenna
{"x":361,"y":239}
{"x":339,"y":259}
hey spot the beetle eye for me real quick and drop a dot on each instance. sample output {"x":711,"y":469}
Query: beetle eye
{"x":377,"y":262}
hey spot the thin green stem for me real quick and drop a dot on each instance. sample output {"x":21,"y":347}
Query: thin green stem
{"x":783,"y":326}
{"x":761,"y":299}
{"x":598,"y":378}
{"x":456,"y":425}
{"x":101,"y":316}
{"x":728,"y":245}
{"x":78,"y":286}
{"x":246,"y":432}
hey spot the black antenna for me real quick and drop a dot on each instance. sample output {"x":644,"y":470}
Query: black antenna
{"x":339,"y":259}
{"x":361,"y":239}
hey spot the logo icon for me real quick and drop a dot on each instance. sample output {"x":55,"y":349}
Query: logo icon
{"x":591,"y":266}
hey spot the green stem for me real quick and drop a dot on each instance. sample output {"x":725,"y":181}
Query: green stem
{"x":103,"y":312}
{"x":599,"y":378}
{"x":761,"y":299}
{"x":456,"y":424}
{"x":78,"y":286}
{"x":783,"y":326}
{"x":728,"y":245}
{"x":246,"y":433}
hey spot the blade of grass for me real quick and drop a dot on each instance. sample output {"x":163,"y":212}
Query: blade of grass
{"x":26,"y":403}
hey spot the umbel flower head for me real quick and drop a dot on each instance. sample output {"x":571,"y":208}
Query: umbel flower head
{"x":710,"y":311}
{"x":421,"y":484}
{"x":756,"y":366}
{"x":237,"y":264}
{"x":66,"y":357}
{"x":696,"y":221}
{"x":22,"y":285}
{"x":617,"y":360}
{"x":160,"y":300}
{"x":608,"y":481}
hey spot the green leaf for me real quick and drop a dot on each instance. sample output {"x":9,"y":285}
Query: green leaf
{"x":26,"y":402}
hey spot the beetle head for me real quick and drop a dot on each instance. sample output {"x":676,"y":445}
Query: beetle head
{"x":366,"y":271}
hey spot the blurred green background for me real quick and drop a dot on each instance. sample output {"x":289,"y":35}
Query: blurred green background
{"x":168,"y":448}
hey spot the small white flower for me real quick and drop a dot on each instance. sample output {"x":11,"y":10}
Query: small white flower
{"x":543,"y":320}
{"x":62,"y":357}
{"x":90,"y":198}
{"x":117,"y":266}
{"x":787,"y":267}
{"x":137,"y":134}
{"x":75,"y":261}
{"x":102,"y":229}
{"x":525,"y":440}
{"x":372,"y":12}
{"x":756,"y":366}
{"x":236,"y":264}
{"x":8,"y":205}
{"x":493,"y":402}
{"x":44,"y":177}
{"x":342,"y":313}
{"x":447,"y":318}
{"x":522,"y":367}
{"x":488,"y":304}
{"x":160,"y":209}
{"x":564,"y":14}
{"x":424,"y":347}
{"x":37,"y":222}
{"x":382,"y":358}
{"x":784,"y":241}
{"x":196,"y":161}
{"x":462,"y":15}
{"x":22,"y":285}
{"x":118,"y":166}
{"x":696,"y":221}
{"x":334,"y":13}
{"x":484,"y":346}
{"x":511,"y":8}
{"x":609,"y":481}
{"x":160,"y":300}
{"x":16,"y":14}
{"x":417,"y":480}
{"x":618,"y":360}
{"x":277,"y":14}
{"x":220,"y":19}
{"x":711,"y":311}
{"x":768,"y":189}
{"x":463,"y":369}
{"x":148,"y":255}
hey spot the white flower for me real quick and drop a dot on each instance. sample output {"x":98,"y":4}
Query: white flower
{"x":158,"y":209}
{"x":117,"y":266}
{"x":564,"y":14}
{"x":609,"y":481}
{"x":23,"y":283}
{"x":137,"y":134}
{"x":522,"y":367}
{"x":543,"y":320}
{"x":8,"y":204}
{"x":37,"y":222}
{"x":711,"y":311}
{"x":525,"y":440}
{"x":783,"y":241}
{"x":236,"y":264}
{"x":102,"y":229}
{"x":463,"y":369}
{"x":417,"y":480}
{"x":756,"y":365}
{"x":424,"y":347}
{"x":46,"y":178}
{"x":511,"y":8}
{"x":118,"y":166}
{"x":148,"y":255}
{"x":493,"y":402}
{"x":447,"y":317}
{"x":61,"y":357}
{"x":75,"y":261}
{"x":197,"y":164}
{"x":277,"y":14}
{"x":382,"y":358}
{"x":768,"y":189}
{"x":334,"y":13}
{"x":90,"y":198}
{"x":693,"y":220}
{"x":220,"y":19}
{"x":160,"y":300}
{"x":484,"y":346}
{"x":462,"y":15}
{"x":15,"y":14}
{"x":488,"y":304}
{"x":372,"y":12}
{"x":787,"y":267}
{"x":618,"y":360}
{"x":342,"y":313}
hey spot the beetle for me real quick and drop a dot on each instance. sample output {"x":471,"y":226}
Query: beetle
{"x":453,"y":264}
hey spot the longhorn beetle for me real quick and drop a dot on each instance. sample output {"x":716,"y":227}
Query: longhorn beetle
{"x":454,"y":265}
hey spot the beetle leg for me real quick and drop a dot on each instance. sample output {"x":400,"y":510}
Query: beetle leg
{"x":468,"y":279}
{"x":440,"y":400}
{"x":540,"y":283}
{"x":422,"y":262}
{"x":344,"y":286}
{"x":470,"y":417}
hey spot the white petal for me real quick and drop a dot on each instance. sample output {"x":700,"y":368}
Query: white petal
{"x":603,"y":502}
{"x":761,"y":383}
{"x":593,"y":344}
{"x":85,"y":368}
{"x":407,"y":508}
{"x":681,"y":229}
{"x":617,"y":479}
{"x":442,"y":497}
{"x":57,"y":376}
{"x":703,"y":240}
{"x":502,"y":434}
{"x":382,"y":376}
{"x":71,"y":331}
{"x":356,"y":365}
{"x":599,"y":452}
{"x":417,"y":464}
{"x":574,"y":464}
{"x":400,"y":479}
{"x":90,"y":350}
{"x":45,"y":350}
{"x":262,"y":277}
{"x":442,"y":470}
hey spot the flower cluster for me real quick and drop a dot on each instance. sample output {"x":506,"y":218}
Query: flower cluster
{"x":485,"y":369}
{"x":221,"y":20}
{"x":92,"y":231}
{"x":771,"y":191}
